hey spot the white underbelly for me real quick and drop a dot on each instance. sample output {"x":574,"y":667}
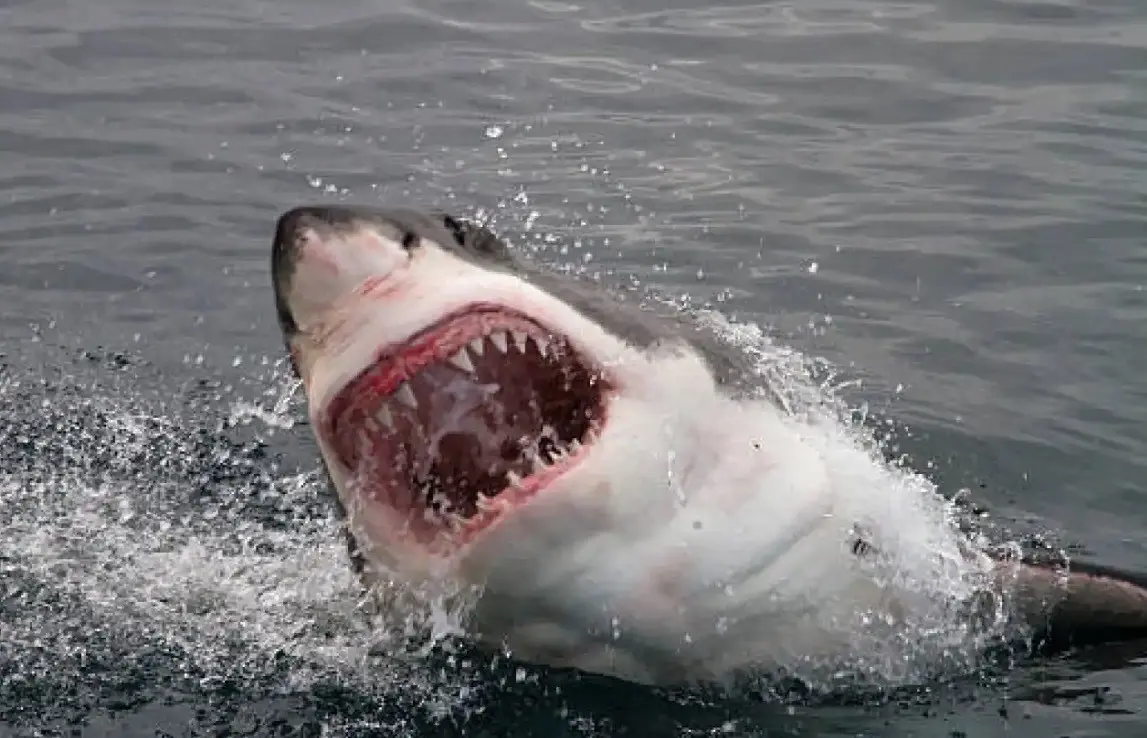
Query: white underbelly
{"x":750,"y":568}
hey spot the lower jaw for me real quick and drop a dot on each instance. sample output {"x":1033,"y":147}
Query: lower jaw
{"x":440,"y":537}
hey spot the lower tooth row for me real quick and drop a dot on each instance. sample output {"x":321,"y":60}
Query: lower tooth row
{"x":513,"y":479}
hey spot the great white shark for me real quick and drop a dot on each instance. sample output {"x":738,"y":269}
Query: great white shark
{"x":604,"y":478}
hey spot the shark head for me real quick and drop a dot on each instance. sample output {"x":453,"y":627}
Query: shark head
{"x":449,"y":390}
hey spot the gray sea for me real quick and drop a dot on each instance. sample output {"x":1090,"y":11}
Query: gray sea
{"x":942,"y":204}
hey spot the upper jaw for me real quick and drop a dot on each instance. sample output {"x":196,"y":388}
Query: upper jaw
{"x":352,"y":335}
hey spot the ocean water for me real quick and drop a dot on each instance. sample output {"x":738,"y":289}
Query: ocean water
{"x":942,"y":204}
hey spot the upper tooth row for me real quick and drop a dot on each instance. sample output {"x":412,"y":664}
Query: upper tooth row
{"x":501,"y":341}
{"x":405,"y":395}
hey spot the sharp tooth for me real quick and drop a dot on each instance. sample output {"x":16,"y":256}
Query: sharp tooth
{"x":405,"y":395}
{"x":385,"y":417}
{"x":519,"y":341}
{"x":543,"y":345}
{"x":476,"y":346}
{"x":513,"y":479}
{"x":462,"y":361}
{"x":498,"y":338}
{"x":575,"y":446}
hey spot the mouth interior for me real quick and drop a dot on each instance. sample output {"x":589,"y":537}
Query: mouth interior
{"x":479,"y":407}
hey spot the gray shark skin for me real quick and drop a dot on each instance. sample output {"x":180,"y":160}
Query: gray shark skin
{"x":597,"y":471}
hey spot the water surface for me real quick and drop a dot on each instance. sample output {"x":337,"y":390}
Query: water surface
{"x":944,"y":201}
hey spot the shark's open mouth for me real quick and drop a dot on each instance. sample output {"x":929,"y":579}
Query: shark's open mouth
{"x":470,"y":417}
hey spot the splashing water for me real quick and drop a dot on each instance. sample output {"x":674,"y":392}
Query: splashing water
{"x":145,"y":550}
{"x":933,"y":558}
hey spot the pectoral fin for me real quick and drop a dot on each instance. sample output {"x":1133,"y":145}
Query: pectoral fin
{"x":1079,"y":605}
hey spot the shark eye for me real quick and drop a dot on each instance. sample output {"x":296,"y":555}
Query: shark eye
{"x":456,"y":230}
{"x":409,"y":240}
